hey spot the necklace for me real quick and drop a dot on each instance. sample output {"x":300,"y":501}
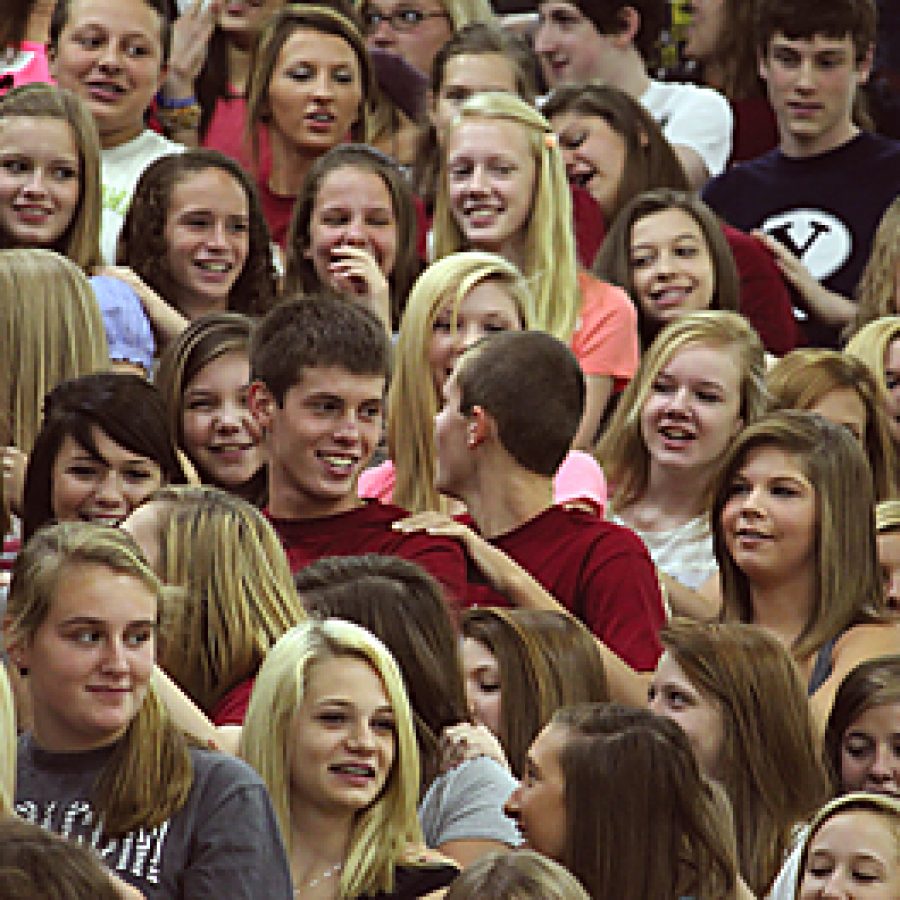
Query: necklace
{"x":313,"y":882}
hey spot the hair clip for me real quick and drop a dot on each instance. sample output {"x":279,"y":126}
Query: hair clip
{"x":550,"y":140}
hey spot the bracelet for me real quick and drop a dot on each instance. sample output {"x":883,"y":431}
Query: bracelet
{"x":183,"y":118}
{"x":168,"y":103}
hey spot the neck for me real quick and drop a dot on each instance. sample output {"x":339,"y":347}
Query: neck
{"x":289,"y":166}
{"x":800,"y":149}
{"x":515,"y":250}
{"x":111,"y":139}
{"x":238,"y":66}
{"x":193,"y":306}
{"x":783,"y":607}
{"x":500,"y":503}
{"x":671,"y":498}
{"x":319,"y":841}
{"x":286,"y":501}
{"x":631,"y":74}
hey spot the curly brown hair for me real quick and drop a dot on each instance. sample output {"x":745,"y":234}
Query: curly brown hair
{"x":143,"y":246}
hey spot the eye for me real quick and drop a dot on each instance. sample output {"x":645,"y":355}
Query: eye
{"x":641,"y":260}
{"x":370,"y":411}
{"x":410,"y":17}
{"x":335,"y":219}
{"x":495,"y":327}
{"x":664,"y":387}
{"x":572,"y":140}
{"x":136,"y":51}
{"x":503,"y":167}
{"x":199,"y":405}
{"x":82,"y":470}
{"x":197,"y":221}
{"x":89,"y":41}
{"x":385,"y":724}
{"x":687,"y":251}
{"x":139,"y":637}
{"x":137,"y":475}
{"x":238,"y":225}
{"x":86,"y":636}
{"x":325,"y":406}
{"x":785,"y":490}
{"x":709,"y":396}
{"x":300,"y":73}
{"x":857,"y":746}
{"x":332,"y":717}
{"x":64,"y":172}
{"x":457,"y":94}
{"x":442,"y":325}
{"x":15,"y":166}
{"x":344,"y":75}
{"x":738,"y":489}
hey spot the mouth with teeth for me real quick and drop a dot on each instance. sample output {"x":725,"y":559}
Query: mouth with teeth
{"x":339,"y":465}
{"x":670,"y":297}
{"x":112,"y":520}
{"x":583,"y":177}
{"x":104,"y":90}
{"x":480,"y":214}
{"x":355,"y":774}
{"x":746,"y":536}
{"x":32,"y":213}
{"x":319,"y":120}
{"x":677,"y":433}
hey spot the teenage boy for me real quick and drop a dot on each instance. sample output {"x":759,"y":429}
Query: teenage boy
{"x":609,"y":41}
{"x":113,"y":55}
{"x":817,"y":198}
{"x":319,"y":367}
{"x":511,"y":409}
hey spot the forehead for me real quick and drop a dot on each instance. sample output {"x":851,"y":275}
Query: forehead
{"x":121,"y":16}
{"x":665,"y":223}
{"x":338,"y":382}
{"x":815,"y":43}
{"x":488,"y":71}
{"x":211,"y":188}
{"x":488,"y":137}
{"x":308,"y":44}
{"x":94,"y":590}
{"x":43,"y":134}
{"x":554,"y":7}
{"x":352,"y":185}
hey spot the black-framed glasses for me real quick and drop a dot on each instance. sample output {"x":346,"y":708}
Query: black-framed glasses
{"x":406,"y":18}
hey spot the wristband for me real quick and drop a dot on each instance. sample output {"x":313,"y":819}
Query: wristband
{"x":174,"y":103}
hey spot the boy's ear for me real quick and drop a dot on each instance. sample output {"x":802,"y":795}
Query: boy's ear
{"x":630,"y":22}
{"x":262,"y":404}
{"x":481,"y":426}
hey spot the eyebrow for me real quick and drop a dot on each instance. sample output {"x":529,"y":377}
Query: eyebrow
{"x":94,"y":622}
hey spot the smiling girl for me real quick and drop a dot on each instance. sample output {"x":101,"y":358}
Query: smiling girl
{"x":503,"y":190}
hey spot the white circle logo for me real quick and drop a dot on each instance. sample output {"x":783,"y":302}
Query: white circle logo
{"x":821,"y":240}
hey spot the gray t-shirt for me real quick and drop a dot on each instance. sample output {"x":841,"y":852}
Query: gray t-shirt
{"x":466,"y":804}
{"x":223,"y":843}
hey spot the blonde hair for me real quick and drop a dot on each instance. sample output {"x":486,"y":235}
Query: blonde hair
{"x":517,"y":875}
{"x":887,"y":516}
{"x":239,"y":596}
{"x":551,"y":265}
{"x":149,"y":774}
{"x":412,"y":400}
{"x":7,"y":745}
{"x":622,"y":451}
{"x":877,"y":290}
{"x":870,"y":344}
{"x":882,"y":805}
{"x":383,"y":830}
{"x":847,"y":586}
{"x":51,"y":330}
{"x":80,"y":241}
{"x":802,"y":378}
{"x":772,"y":772}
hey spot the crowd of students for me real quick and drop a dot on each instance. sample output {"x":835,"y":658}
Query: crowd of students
{"x":444,"y":457}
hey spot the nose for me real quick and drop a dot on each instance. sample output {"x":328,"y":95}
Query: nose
{"x":229,"y":417}
{"x":109,"y":58}
{"x":347,"y":430}
{"x":355,"y":233}
{"x":883,"y":764}
{"x":321,"y":86}
{"x":383,"y":35}
{"x":478,"y":182}
{"x":805,"y":80}
{"x":35,"y":186}
{"x":114,"y":656}
{"x":218,"y":235}
{"x":834,"y":888}
{"x":513,"y":805}
{"x":544,"y":38}
{"x":751,"y":501}
{"x":361,"y":736}
{"x":109,"y":492}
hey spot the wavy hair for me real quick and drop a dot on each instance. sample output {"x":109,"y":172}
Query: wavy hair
{"x":551,"y":266}
{"x":804,"y":377}
{"x":51,"y":330}
{"x":613,"y":261}
{"x":144,"y":247}
{"x":622,"y":451}
{"x":650,"y":161}
{"x":80,"y":241}
{"x":870,"y":344}
{"x":413,"y":399}
{"x":771,"y":769}
{"x":847,"y":585}
{"x":149,"y":774}
{"x":238,"y":594}
{"x":878,"y":291}
{"x":382,"y":831}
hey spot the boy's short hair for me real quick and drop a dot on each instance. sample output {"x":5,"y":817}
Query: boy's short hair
{"x":606,"y":17}
{"x":316,"y":330}
{"x":801,"y":19}
{"x":60,"y":18}
{"x":532,"y":386}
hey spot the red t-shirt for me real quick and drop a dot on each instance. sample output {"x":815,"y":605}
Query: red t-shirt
{"x":599,"y":571}
{"x":367,"y":529}
{"x":232,"y":708}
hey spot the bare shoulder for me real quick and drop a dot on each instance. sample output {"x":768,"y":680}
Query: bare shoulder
{"x":863,"y":642}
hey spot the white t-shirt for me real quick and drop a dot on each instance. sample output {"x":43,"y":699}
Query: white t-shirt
{"x":121,"y":167}
{"x":695,"y":117}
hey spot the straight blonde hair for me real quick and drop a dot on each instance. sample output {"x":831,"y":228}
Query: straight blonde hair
{"x":382,"y":831}
{"x":551,"y":266}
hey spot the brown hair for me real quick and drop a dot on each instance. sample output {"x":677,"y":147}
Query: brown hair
{"x":506,"y":374}
{"x":655,"y":806}
{"x":802,"y":378}
{"x":149,"y":774}
{"x":300,"y":274}
{"x":520,"y":875}
{"x":143,"y":245}
{"x":847,"y":589}
{"x":650,"y":161}
{"x":771,"y":769}
{"x":80,"y":242}
{"x":613,"y":262}
{"x":873,"y":683}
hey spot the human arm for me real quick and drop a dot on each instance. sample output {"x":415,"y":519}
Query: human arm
{"x":684,"y":601}
{"x":856,"y":645}
{"x":829,"y":307}
{"x":167,"y":322}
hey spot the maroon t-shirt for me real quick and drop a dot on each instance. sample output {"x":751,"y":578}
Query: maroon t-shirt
{"x":599,"y":571}
{"x":367,"y":529}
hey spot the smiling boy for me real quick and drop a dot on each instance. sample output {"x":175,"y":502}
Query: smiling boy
{"x":319,"y":368}
{"x":817,"y":198}
{"x":112,"y":54}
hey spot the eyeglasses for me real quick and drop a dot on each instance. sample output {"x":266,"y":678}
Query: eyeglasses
{"x":406,"y":18}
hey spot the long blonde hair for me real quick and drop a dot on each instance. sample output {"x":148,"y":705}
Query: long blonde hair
{"x":51,"y":330}
{"x":870,"y":344}
{"x":877,"y":291}
{"x":551,"y":266}
{"x":383,"y":830}
{"x":622,"y":451}
{"x":412,"y":401}
{"x":149,"y":774}
{"x":7,"y":745}
{"x":239,"y":596}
